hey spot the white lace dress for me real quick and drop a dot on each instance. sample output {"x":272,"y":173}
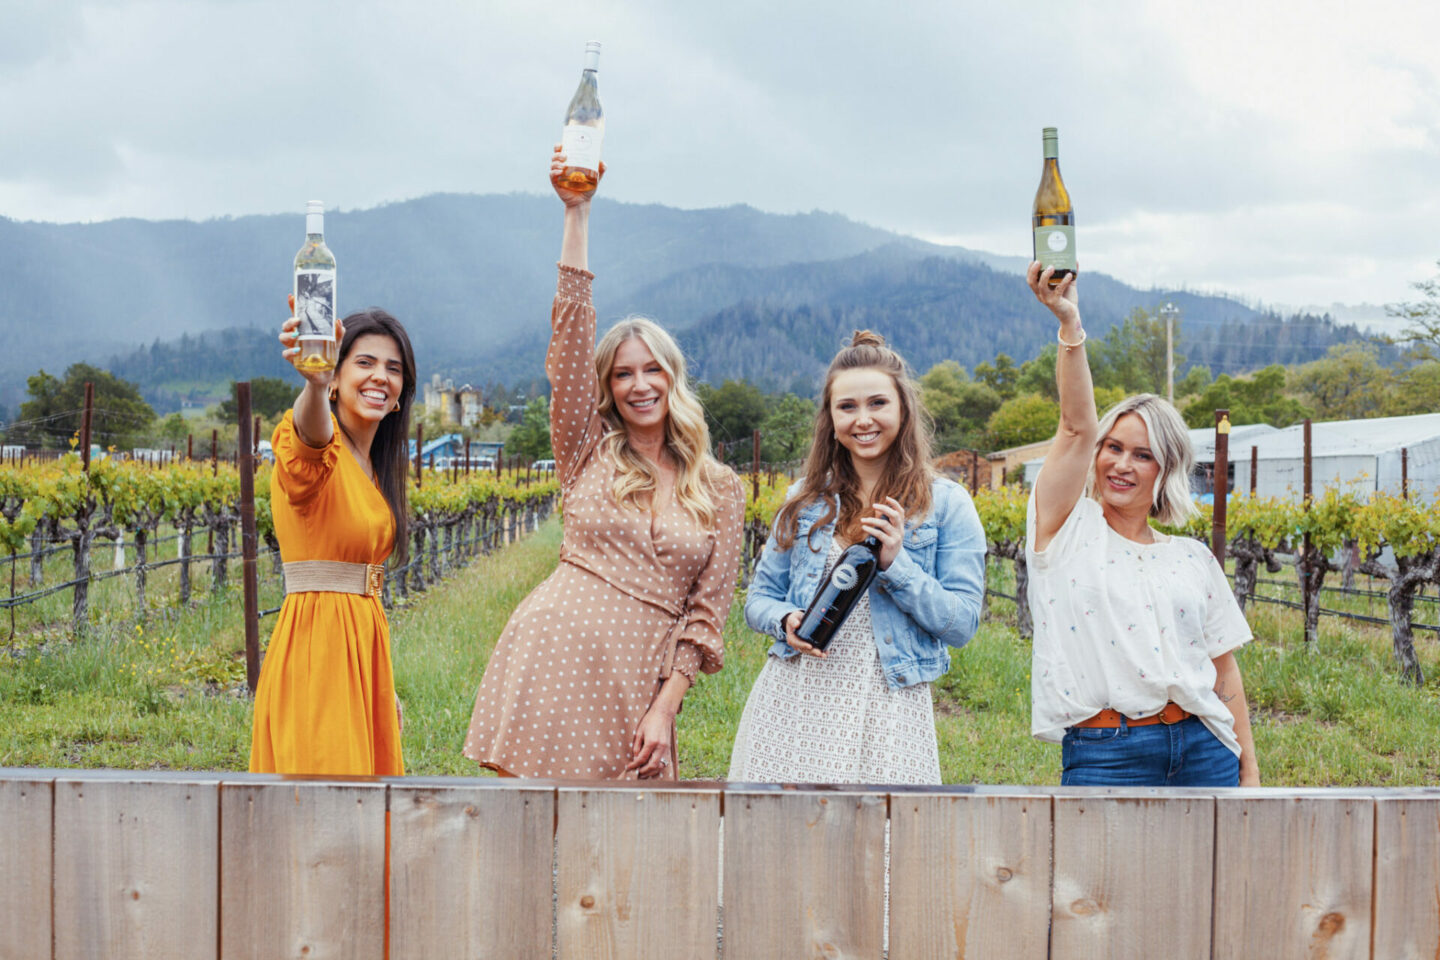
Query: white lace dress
{"x":836,"y":720}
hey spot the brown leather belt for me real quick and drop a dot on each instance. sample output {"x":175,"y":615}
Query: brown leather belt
{"x":334,"y":576}
{"x":1172,"y":713}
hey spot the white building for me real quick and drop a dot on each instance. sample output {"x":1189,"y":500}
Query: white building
{"x":1361,"y":455}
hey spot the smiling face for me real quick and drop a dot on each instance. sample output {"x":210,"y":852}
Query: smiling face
{"x":640,"y":386}
{"x":370,"y":378}
{"x":866,"y":412}
{"x":1126,"y":470}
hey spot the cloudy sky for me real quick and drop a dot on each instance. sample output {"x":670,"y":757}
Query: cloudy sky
{"x":1283,"y":150}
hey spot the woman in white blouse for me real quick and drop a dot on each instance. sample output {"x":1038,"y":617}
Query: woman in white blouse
{"x":1134,"y":668}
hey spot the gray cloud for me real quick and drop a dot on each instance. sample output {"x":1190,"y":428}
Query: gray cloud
{"x":1284,"y":151}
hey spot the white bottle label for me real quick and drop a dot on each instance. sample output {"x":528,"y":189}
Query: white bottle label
{"x":581,"y":146}
{"x":844,"y":577}
{"x":315,"y":304}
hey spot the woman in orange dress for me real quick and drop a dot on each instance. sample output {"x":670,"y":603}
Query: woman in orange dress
{"x":326,"y":699}
{"x":590,"y":672}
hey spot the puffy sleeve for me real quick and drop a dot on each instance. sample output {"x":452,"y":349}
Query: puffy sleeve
{"x":701,"y":646}
{"x":570,"y":366}
{"x":1226,"y":628}
{"x":300,"y":469}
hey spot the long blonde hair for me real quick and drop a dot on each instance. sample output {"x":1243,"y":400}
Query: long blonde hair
{"x":829,"y":474}
{"x":686,"y":435}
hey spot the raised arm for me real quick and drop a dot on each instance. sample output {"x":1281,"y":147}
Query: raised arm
{"x":1062,"y":480}
{"x":569,"y":362}
{"x":311,"y":414}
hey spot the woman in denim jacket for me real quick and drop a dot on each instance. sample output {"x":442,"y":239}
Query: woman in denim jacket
{"x":860,"y":711}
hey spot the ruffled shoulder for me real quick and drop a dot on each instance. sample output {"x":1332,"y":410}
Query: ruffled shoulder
{"x":300,"y":469}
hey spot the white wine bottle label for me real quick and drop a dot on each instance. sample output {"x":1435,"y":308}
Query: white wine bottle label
{"x":844,"y":577}
{"x":315,"y":304}
{"x":581,"y":146}
{"x":1055,"y":247}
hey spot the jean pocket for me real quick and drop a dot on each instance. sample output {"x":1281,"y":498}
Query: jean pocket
{"x":1092,"y":734}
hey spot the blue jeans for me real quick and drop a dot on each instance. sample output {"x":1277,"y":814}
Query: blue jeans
{"x":1184,"y":754}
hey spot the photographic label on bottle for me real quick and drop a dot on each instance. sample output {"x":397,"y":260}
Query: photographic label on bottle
{"x":1055,"y":246}
{"x":844,"y":577}
{"x":315,"y":304}
{"x":581,"y":146}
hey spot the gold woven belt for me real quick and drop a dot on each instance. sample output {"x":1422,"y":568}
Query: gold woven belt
{"x":334,"y":576}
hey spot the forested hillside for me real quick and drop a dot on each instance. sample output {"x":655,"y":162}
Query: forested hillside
{"x":175,"y":306}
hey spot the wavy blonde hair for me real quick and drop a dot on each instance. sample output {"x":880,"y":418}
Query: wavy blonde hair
{"x":829,"y":474}
{"x":686,"y":435}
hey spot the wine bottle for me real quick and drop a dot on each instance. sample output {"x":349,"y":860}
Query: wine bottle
{"x":847,"y":583}
{"x":584,"y":129}
{"x":1053,"y":219}
{"x":315,"y":295}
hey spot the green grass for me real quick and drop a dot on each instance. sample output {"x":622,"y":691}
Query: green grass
{"x":164,"y":695}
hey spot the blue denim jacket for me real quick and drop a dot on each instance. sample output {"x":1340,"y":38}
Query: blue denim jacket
{"x":927,"y":600}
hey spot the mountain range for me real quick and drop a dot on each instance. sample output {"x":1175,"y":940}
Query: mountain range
{"x":178,"y":305}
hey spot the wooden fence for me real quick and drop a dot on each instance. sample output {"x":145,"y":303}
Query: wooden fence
{"x":121,"y":864}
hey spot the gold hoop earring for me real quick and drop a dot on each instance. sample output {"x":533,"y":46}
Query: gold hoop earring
{"x":397,"y":407}
{"x":334,"y":397}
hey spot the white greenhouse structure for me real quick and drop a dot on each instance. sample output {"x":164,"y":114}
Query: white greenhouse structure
{"x":1361,"y":455}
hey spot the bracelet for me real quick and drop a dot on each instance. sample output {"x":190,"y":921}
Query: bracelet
{"x":1067,"y":344}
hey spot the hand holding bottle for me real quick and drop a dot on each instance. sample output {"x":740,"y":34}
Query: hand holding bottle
{"x":792,"y":623}
{"x":288,"y":334}
{"x":887,"y":526}
{"x":1063,"y":299}
{"x":572,"y":198}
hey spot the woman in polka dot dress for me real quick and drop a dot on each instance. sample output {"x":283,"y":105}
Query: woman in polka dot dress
{"x":860,"y":712}
{"x":589,"y":674}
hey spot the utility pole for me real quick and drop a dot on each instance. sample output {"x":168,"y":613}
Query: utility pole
{"x":1170,"y":312}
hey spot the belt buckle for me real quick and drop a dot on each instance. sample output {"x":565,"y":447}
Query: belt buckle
{"x":374,"y":579}
{"x":1162,"y":715}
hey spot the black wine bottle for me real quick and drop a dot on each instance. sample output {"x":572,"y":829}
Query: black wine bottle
{"x":847,"y":583}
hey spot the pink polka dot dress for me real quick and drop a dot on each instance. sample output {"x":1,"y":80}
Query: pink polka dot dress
{"x":583,"y":655}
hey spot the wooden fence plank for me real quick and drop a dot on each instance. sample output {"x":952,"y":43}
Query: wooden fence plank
{"x":1293,"y":877}
{"x":638,"y":873}
{"x":804,"y":874}
{"x":136,"y":867}
{"x":470,"y":871}
{"x":1133,"y":876}
{"x":302,"y":870}
{"x":25,"y":879}
{"x":1407,"y":878}
{"x":969,"y":876}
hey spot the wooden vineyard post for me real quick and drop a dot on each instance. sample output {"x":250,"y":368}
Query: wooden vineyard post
{"x":215,"y":452}
{"x":189,"y":447}
{"x":255,"y":438}
{"x":755,"y":467}
{"x":1221,"y":485}
{"x":249,"y":576}
{"x":87,"y":414}
{"x":1405,"y":473}
{"x":419,"y":443}
{"x":1254,"y":467}
{"x":1307,"y":591}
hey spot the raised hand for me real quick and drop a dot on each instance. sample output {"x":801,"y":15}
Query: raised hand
{"x":291,"y":351}
{"x":572,"y":198}
{"x":1063,"y":299}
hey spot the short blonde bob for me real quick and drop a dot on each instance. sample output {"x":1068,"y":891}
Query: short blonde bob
{"x":686,"y":435}
{"x":1170,"y":445}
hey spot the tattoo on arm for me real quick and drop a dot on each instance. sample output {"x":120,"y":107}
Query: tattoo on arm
{"x":1220,"y":692}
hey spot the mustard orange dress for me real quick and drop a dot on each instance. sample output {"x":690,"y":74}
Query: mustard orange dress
{"x":325,"y":702}
{"x":581,"y":659}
